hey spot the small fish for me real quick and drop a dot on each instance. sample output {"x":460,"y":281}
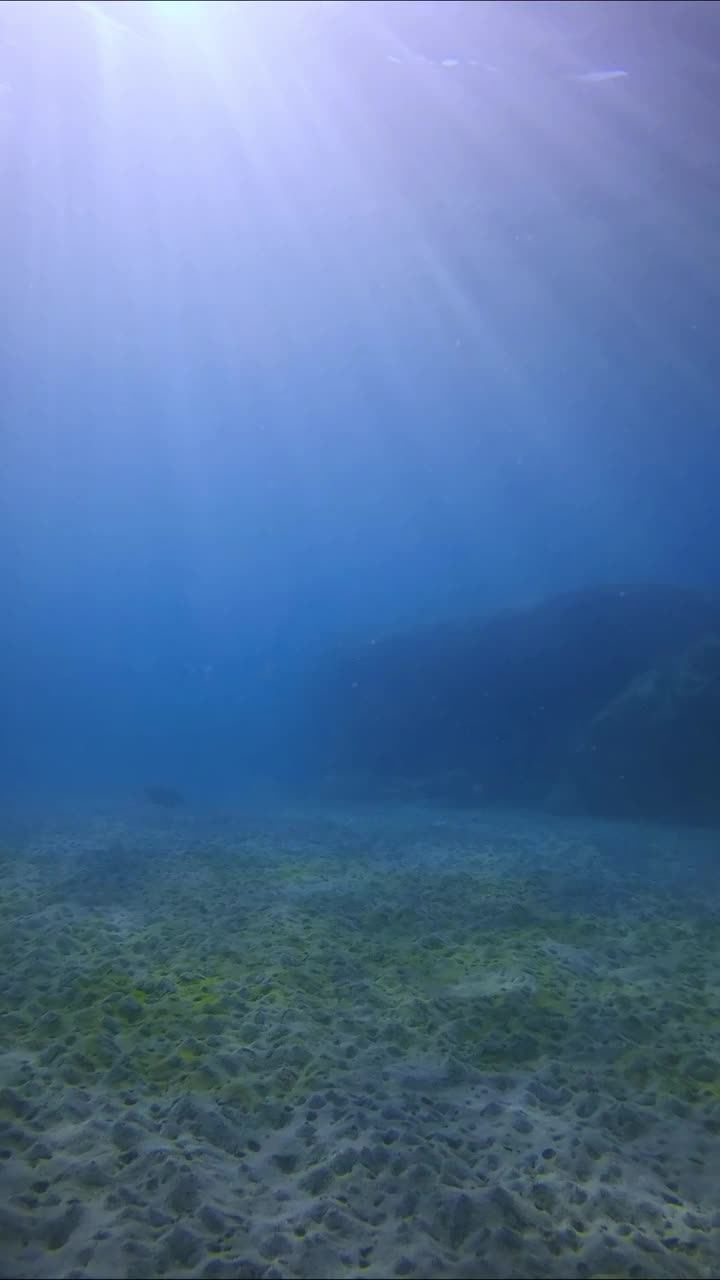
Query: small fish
{"x":595,"y":77}
{"x":166,"y":797}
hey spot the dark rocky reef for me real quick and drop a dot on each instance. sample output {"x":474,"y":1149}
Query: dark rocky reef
{"x":604,"y":700}
{"x":655,"y":748}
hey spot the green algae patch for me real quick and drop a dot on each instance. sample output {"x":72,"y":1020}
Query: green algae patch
{"x":250,"y":981}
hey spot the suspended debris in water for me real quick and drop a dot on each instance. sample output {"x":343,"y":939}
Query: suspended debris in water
{"x":596,"y":77}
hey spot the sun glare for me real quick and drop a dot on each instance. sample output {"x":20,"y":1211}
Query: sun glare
{"x":178,"y":10}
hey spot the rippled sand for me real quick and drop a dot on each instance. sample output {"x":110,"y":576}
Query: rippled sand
{"x":402,"y":1043}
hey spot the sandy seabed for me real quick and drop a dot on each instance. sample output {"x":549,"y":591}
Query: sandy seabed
{"x":359,"y":1043}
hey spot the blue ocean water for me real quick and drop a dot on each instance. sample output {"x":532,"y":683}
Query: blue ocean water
{"x":325,"y":320}
{"x":359,"y":639}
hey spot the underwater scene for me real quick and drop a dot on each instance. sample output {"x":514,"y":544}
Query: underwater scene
{"x":359,"y":639}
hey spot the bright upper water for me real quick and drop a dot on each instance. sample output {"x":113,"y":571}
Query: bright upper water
{"x":320,"y":320}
